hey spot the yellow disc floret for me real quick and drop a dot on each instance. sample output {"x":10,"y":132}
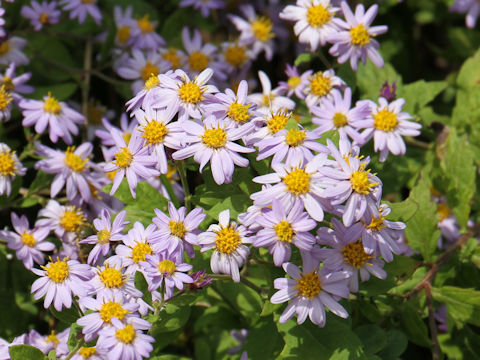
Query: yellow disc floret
{"x":87,"y":352}
{"x":295,"y":137}
{"x":317,"y":16}
{"x":51,"y":105}
{"x":297,"y":181}
{"x":154,"y":132}
{"x":177,"y":228}
{"x":166,"y":267}
{"x":111,"y":310}
{"x":8,"y":163}
{"x":8,"y":83}
{"x":320,"y":85}
{"x":4,"y":47}
{"x":57,"y":271}
{"x":284,"y":231}
{"x":198,"y":61}
{"x":28,"y":239}
{"x":145,"y":25}
{"x":354,"y":254}
{"x":139,"y":252}
{"x":227,"y":240}
{"x":111,"y":277}
{"x":293,"y":82}
{"x":72,"y":219}
{"x":126,"y":335}
{"x":339,"y":120}
{"x":359,"y":35}
{"x":235,"y":55}
{"x":52,"y":338}
{"x":361,"y":182}
{"x":123,"y":34}
{"x":171,"y":55}
{"x":73,"y":161}
{"x":123,"y":158}
{"x":239,"y":112}
{"x":103,"y":237}
{"x":262,"y":29}
{"x":385,"y":120}
{"x":149,"y":70}
{"x":376,"y":224}
{"x":152,"y":82}
{"x":278,"y":121}
{"x":309,"y":285}
{"x":5,"y":98}
{"x":214,"y":138}
{"x":190,"y":93}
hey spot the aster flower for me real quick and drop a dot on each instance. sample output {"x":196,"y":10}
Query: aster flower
{"x":79,"y":9}
{"x":355,"y":39}
{"x":185,"y":96}
{"x":228,"y":239}
{"x":296,"y":83}
{"x":106,"y":233}
{"x":125,"y":131}
{"x":175,"y":58}
{"x":470,"y":7}
{"x":132,"y":161}
{"x":320,"y":86}
{"x":110,"y":278}
{"x":241,"y":338}
{"x":178,"y":231}
{"x":42,"y":14}
{"x":15,"y":85}
{"x":273,"y":122}
{"x":294,"y":182}
{"x":347,"y":253}
{"x":59,"y":279}
{"x":282,"y":228}
{"x":145,"y":36}
{"x":5,"y":104}
{"x":10,"y":168}
{"x":65,"y":221}
{"x":88,"y":352}
{"x":125,"y":23}
{"x":60,"y":119}
{"x":270,"y":100}
{"x":159,"y":132}
{"x":336,"y":113}
{"x":256,"y":31}
{"x":203,"y":5}
{"x":125,"y":341}
{"x":235,"y":56}
{"x":29,"y":244}
{"x":351,"y":183}
{"x":53,"y":341}
{"x":314,"y":21}
{"x":11,"y":51}
{"x":310,"y":291}
{"x":214,"y":143}
{"x":386,"y":124}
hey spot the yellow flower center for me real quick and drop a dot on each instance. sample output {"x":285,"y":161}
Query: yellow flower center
{"x":376,"y":224}
{"x":140,"y":251}
{"x":149,"y":70}
{"x":235,"y":55}
{"x":177,"y":228}
{"x":166,"y":267}
{"x":320,"y":84}
{"x":444,"y":211}
{"x":278,"y":121}
{"x":57,"y":271}
{"x":354,"y":254}
{"x":293,"y":82}
{"x":145,"y":25}
{"x":72,"y":219}
{"x":103,"y":237}
{"x":155,"y":132}
{"x":297,"y":181}
{"x":44,"y":18}
{"x":111,"y":310}
{"x":8,"y":83}
{"x":123,"y":34}
{"x":4,"y":48}
{"x":152,"y":82}
{"x":51,"y":105}
{"x":28,"y":239}
{"x":172,"y":56}
{"x":74,"y":162}
{"x":361,"y":182}
{"x":198,"y":61}
{"x":52,"y":338}
{"x":385,"y":120}
{"x":295,"y":137}
{"x":112,"y":278}
{"x":267,"y":99}
{"x":126,"y":335}
{"x":87,"y":352}
{"x":214,"y":138}
{"x":239,"y":112}
{"x":5,"y":98}
{"x":339,"y":120}
{"x":309,"y":285}
{"x":317,"y":16}
{"x":360,"y":36}
{"x":8,"y":164}
{"x":190,"y":93}
{"x":123,"y":158}
{"x":262,"y":29}
{"x":227,"y":240}
{"x":284,"y":231}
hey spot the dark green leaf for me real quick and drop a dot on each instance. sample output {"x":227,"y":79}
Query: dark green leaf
{"x":413,"y":325}
{"x":68,"y":316}
{"x":142,"y":285}
{"x":396,"y":344}
{"x":74,"y":336}
{"x":463,"y":305}
{"x":24,"y":352}
{"x":263,"y":339}
{"x":373,"y":338}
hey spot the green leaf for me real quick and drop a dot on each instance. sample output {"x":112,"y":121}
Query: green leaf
{"x":263,"y":339}
{"x":418,"y":94}
{"x":396,"y":345}
{"x":173,"y":316}
{"x":413,"y":325}
{"x":142,"y":285}
{"x":68,"y":316}
{"x":23,"y":352}
{"x":402,"y":210}
{"x":303,"y":58}
{"x":373,"y":338}
{"x":370,"y":79}
{"x":75,"y":335}
{"x":52,"y":355}
{"x":42,"y":180}
{"x":460,"y":344}
{"x":58,"y":91}
{"x":463,"y":305}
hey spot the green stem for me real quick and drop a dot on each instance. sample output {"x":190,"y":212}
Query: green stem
{"x":324,"y":60}
{"x":171,"y":193}
{"x":182,"y":172}
{"x":75,"y":349}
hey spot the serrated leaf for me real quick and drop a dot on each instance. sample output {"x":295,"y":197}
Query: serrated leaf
{"x":370,"y":79}
{"x":73,"y":337}
{"x":463,"y":305}
{"x":23,"y":352}
{"x":418,"y":94}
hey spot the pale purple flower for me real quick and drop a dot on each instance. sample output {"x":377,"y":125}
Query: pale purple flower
{"x":42,"y":14}
{"x":314,"y":21}
{"x":60,"y":119}
{"x":214,"y":143}
{"x":235,"y":57}
{"x":203,"y":5}
{"x":387,"y":124}
{"x":178,"y":231}
{"x":355,"y":39}
{"x":470,"y":7}
{"x":320,"y":86}
{"x":15,"y":85}
{"x":280,"y":229}
{"x":79,"y":9}
{"x":309,"y":291}
{"x":250,"y":217}
{"x":59,"y":279}
{"x":106,"y":232}
{"x":132,"y":161}
{"x":11,"y":51}
{"x":228,"y":239}
{"x":241,"y":338}
{"x":53,"y":341}
{"x":111,"y":278}
{"x":28,"y":244}
{"x":2,"y":23}
{"x":90,"y":353}
{"x":336,"y":113}
{"x":125,"y":341}
{"x":183,"y":95}
{"x":5,"y":345}
{"x":145,"y":36}
{"x":65,"y":221}
{"x":125,"y":23}
{"x":296,"y":83}
{"x":291,"y":183}
{"x":10,"y":168}
{"x":106,"y":138}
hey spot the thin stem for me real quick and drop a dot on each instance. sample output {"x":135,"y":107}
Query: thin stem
{"x":182,"y":172}
{"x":432,"y":324}
{"x":75,"y":349}
{"x":170,"y":191}
{"x":418,"y":144}
{"x":107,"y":78}
{"x":324,"y":60}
